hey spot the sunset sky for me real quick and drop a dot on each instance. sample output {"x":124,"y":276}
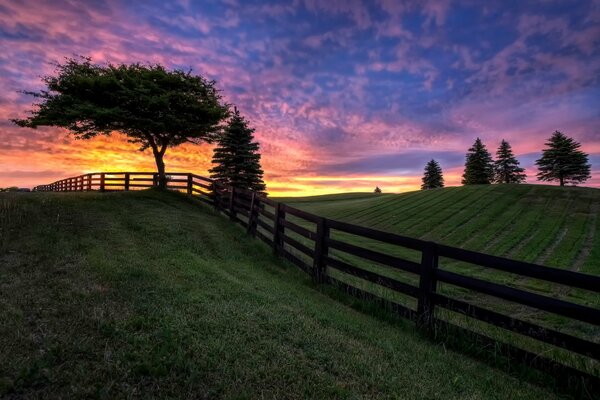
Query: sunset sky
{"x":344,"y":95}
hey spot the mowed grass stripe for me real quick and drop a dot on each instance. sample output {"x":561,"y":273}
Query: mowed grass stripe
{"x":414,"y":215}
{"x":518,"y":234}
{"x":414,"y":208}
{"x":572,"y":236}
{"x":546,"y":230}
{"x":418,"y":225}
{"x":466,"y":209}
{"x":438,"y":215}
{"x":493,"y":211}
{"x":373,"y":211}
{"x":493,"y":230}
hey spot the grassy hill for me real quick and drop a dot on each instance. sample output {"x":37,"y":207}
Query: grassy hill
{"x":151,"y":295}
{"x":547,"y":225}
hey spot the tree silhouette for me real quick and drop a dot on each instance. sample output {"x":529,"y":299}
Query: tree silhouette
{"x":156,"y":108}
{"x":506,"y":166}
{"x":479,"y":166}
{"x":563,"y":161}
{"x":237,"y":158}
{"x":432,"y":178}
{"x":377,"y":190}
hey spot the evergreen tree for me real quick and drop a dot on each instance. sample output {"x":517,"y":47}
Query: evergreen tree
{"x":377,"y":189}
{"x":479,"y":166}
{"x":506,"y":166}
{"x":563,"y":161}
{"x":432,"y":177}
{"x":237,"y":158}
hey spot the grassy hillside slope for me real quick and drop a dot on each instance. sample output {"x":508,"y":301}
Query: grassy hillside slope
{"x":548,"y":225}
{"x":150,"y":295}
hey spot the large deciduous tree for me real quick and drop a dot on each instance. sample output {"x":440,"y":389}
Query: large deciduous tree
{"x":479,"y":166}
{"x":237,"y":157}
{"x":506,"y":166}
{"x":432,"y":178}
{"x":562,"y":161}
{"x":154,"y":107}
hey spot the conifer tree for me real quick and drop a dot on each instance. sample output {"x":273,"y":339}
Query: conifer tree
{"x":479,"y":166}
{"x":506,"y":166}
{"x":432,"y":178}
{"x":562,"y":161}
{"x":237,"y":157}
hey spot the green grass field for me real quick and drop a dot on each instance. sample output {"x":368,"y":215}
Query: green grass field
{"x":152,"y":295}
{"x":549,"y":225}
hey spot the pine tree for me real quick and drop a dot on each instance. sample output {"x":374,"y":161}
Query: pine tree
{"x":563,"y":161}
{"x":479,"y":166}
{"x":237,"y":158}
{"x":377,"y":190}
{"x":432,"y":178}
{"x":506,"y":166}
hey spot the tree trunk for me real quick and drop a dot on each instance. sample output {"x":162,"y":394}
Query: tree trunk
{"x":160,"y":165}
{"x":562,"y":181}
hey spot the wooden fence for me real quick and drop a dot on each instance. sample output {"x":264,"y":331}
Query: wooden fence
{"x":306,"y":240}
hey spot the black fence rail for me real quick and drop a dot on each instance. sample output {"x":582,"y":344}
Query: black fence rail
{"x":306,"y":240}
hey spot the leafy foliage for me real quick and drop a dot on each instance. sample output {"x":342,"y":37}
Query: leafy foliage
{"x":377,"y":190}
{"x":237,"y":158}
{"x":506,"y":166}
{"x":156,"y":108}
{"x":433,"y":177}
{"x":563,"y":161}
{"x":479,"y":166}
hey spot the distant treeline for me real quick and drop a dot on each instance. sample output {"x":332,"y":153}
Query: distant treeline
{"x":561,"y":161}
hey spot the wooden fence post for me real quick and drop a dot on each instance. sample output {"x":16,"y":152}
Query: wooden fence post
{"x":232,"y":203}
{"x":427,"y":287}
{"x":126,"y":180}
{"x":89,"y":183}
{"x":215,"y":196}
{"x":252,"y":215}
{"x":278,"y":231}
{"x":321,"y":251}
{"x":102,"y":181}
{"x":190,"y":184}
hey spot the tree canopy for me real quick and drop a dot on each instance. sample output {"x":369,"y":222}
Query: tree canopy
{"x":479,"y":167}
{"x":237,"y":157}
{"x":506,"y":167}
{"x":562,"y":161}
{"x":432,"y":178}
{"x":155,"y":107}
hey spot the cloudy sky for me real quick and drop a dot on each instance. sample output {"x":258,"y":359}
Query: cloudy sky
{"x":344,"y":95}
